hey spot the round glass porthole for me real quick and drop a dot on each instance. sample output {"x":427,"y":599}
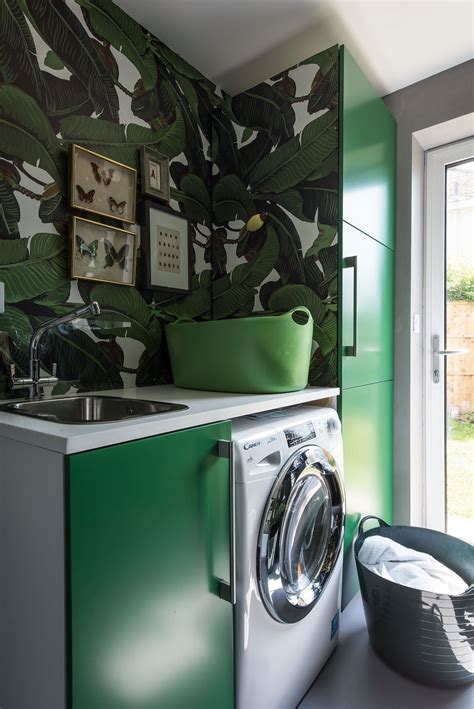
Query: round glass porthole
{"x":301,"y":534}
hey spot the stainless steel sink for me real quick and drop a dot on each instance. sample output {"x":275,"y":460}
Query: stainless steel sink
{"x":89,"y":409}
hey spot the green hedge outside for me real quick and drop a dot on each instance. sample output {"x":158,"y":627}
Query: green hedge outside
{"x":460,"y":283}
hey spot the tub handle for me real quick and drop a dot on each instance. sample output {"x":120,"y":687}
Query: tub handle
{"x":183,"y":319}
{"x":366,"y":518}
{"x":300,"y":310}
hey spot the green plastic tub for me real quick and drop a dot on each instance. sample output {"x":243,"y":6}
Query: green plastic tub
{"x":264,"y":354}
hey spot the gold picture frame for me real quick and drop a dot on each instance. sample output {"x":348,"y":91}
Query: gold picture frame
{"x":102,"y":186}
{"x":102,"y":252}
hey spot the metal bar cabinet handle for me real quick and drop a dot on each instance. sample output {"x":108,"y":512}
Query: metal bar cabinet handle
{"x":227,"y":591}
{"x":351,"y":350}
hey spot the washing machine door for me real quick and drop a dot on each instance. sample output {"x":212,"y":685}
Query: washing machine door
{"x":301,"y":534}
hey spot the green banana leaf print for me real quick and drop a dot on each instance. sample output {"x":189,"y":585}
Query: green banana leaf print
{"x":275,"y":207}
{"x":256,"y":175}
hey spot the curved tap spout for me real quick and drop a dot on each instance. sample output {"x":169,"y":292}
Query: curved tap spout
{"x":34,"y":381}
{"x":84,"y":312}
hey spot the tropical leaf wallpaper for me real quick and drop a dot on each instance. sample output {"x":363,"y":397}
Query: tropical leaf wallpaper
{"x":275,"y":154}
{"x":256,"y":174}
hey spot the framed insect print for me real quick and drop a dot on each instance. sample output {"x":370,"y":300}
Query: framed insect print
{"x":166,"y":247}
{"x":155,"y":174}
{"x":102,"y":186}
{"x":104,"y":253}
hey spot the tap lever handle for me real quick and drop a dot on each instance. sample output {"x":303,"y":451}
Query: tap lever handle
{"x":13,"y":371}
{"x":54,"y":369}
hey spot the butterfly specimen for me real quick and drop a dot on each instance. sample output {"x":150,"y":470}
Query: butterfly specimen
{"x":100,"y":175}
{"x":85,"y":196}
{"x":117,"y":207}
{"x":112,"y":256}
{"x":85,"y":249}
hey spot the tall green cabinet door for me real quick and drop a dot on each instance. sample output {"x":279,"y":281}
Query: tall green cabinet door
{"x":367,"y":309}
{"x":368,"y":135}
{"x":367,"y":423}
{"x":148,"y":544}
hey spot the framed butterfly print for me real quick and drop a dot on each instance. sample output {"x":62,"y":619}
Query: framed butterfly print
{"x":104,"y":253}
{"x":166,"y":244}
{"x":155,"y":173}
{"x":102,"y":186}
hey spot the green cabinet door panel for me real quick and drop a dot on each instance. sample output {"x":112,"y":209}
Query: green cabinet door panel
{"x":367,"y":422}
{"x":368,"y":155}
{"x":149,"y":541}
{"x":367,"y":306}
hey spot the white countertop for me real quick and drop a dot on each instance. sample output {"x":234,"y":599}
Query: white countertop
{"x":204,"y":407}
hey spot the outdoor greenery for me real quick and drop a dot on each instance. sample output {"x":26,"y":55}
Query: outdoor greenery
{"x":460,"y":473}
{"x":460,"y":283}
{"x":462,"y":429}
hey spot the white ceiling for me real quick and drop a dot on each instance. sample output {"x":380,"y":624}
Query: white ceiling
{"x":238,"y":43}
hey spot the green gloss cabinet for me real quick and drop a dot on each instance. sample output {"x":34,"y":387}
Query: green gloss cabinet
{"x":368,"y":169}
{"x":366,"y":414}
{"x":366,"y":278}
{"x":148,"y":545}
{"x":367,"y":309}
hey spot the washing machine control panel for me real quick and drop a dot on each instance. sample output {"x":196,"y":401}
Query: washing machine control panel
{"x":260,"y":442}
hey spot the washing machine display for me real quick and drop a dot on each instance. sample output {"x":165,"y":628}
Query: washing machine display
{"x":301,"y":533}
{"x":299,"y":434}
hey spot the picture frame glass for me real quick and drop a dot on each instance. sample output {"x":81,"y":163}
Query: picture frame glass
{"x":102,"y":186}
{"x":169,"y":255}
{"x":155,"y":174}
{"x":103,"y":253}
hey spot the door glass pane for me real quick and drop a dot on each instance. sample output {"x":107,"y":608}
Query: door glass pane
{"x":305,"y":533}
{"x":460,"y":335}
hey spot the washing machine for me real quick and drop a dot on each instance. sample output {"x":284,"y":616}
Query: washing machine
{"x":289,"y":522}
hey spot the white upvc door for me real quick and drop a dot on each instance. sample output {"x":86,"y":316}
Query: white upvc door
{"x":438,"y":349}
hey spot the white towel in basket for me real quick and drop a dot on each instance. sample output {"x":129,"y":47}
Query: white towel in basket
{"x":409,"y":567}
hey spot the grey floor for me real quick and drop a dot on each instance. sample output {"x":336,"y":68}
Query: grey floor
{"x":354,"y":677}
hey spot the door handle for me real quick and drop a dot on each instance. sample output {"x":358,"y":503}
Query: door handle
{"x":449,"y":353}
{"x":351,"y":350}
{"x":437,"y":353}
{"x":227,"y":590}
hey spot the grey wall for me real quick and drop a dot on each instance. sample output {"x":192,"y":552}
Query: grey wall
{"x":440,"y":98}
{"x":32,"y":587}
